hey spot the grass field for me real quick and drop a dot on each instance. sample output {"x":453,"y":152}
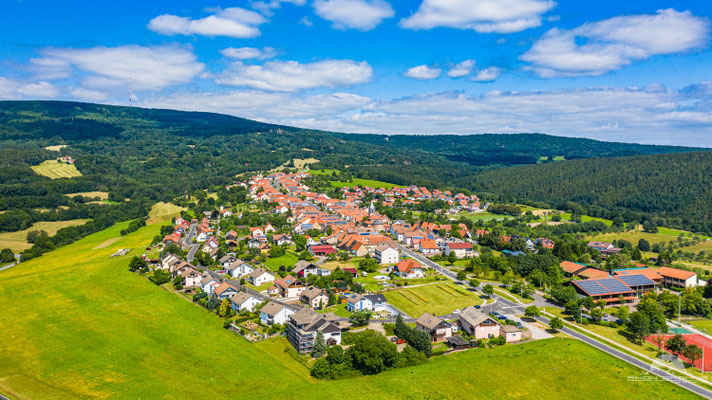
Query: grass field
{"x":89,"y":328}
{"x":634,"y":236}
{"x":17,"y":241}
{"x":702,"y":324}
{"x":56,"y":148}
{"x":274,"y":263}
{"x":437,"y":299}
{"x":161,"y":210}
{"x":364,"y":182}
{"x":483,"y":215}
{"x":91,"y":195}
{"x":55,"y":170}
{"x":325,"y":171}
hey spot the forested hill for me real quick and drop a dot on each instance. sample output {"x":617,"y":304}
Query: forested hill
{"x":515,"y":149}
{"x":673,"y":186}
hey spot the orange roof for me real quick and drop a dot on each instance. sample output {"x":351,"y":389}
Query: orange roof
{"x":428,"y":244}
{"x":593,"y":273}
{"x":407,"y":265}
{"x":571,"y":267}
{"x":675,"y":273}
{"x":647,"y":272}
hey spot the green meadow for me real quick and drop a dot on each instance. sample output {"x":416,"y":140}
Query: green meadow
{"x":76,"y":324}
{"x":363,"y":182}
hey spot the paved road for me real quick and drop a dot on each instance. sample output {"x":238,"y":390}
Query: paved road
{"x":504,"y":306}
{"x":194,"y":246}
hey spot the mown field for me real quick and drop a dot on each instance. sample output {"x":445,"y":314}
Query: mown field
{"x":91,"y":195}
{"x":17,"y":241}
{"x":88,"y":328}
{"x":437,"y":299}
{"x":363,"y":182}
{"x":55,"y":170}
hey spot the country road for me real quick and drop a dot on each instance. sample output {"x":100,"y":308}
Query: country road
{"x":504,"y":306}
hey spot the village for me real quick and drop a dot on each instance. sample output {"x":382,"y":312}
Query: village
{"x":338,"y":266}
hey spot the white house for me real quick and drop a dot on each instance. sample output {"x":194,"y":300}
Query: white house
{"x":239,"y":269}
{"x":244,"y":301}
{"x":260,"y":276}
{"x":191,"y":277}
{"x":201,"y":237}
{"x":370,"y":302}
{"x":208,"y":285}
{"x":274,"y":313}
{"x":460,"y":249}
{"x":386,"y":254}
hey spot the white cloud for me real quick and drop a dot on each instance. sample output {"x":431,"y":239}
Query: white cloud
{"x":268,"y":7}
{"x":291,"y":76}
{"x":487,"y":75}
{"x":355,"y":14}
{"x":88,"y":94}
{"x":245,"y":53}
{"x":306,"y":21}
{"x":265,"y":106}
{"x":484,"y":16}
{"x":615,"y":43}
{"x":8,"y":89}
{"x":150,"y":68}
{"x":461,"y":69}
{"x":39,"y":90}
{"x":232,"y":22}
{"x":423,"y":72}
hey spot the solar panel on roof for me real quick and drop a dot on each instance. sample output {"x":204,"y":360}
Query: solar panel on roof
{"x":614,"y":285}
{"x":636,"y":280}
{"x":592,"y":287}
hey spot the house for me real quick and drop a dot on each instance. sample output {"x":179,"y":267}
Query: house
{"x":315,"y":297}
{"x":282,"y":239}
{"x":225,"y":213}
{"x":239,"y":269}
{"x":460,"y":249}
{"x":208,"y":285}
{"x":458,"y":343}
{"x":478,"y":324}
{"x":225,"y":291}
{"x":677,"y":277}
{"x":592,"y":273}
{"x":259,"y":277}
{"x":191,"y":277}
{"x":409,"y":269}
{"x":244,"y":301}
{"x":226,"y":260}
{"x":386,"y":254}
{"x":438,"y":329}
{"x":352,"y":271}
{"x":368,"y":302}
{"x":303,"y":325}
{"x":322,"y":250}
{"x":232,"y":235}
{"x":274,"y":313}
{"x":428,"y":247}
{"x":304,"y":268}
{"x":289,"y":287}
{"x":511,"y":333}
{"x":604,"y":247}
{"x":545,"y":243}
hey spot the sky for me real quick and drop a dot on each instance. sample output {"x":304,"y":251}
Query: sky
{"x":630,"y":71}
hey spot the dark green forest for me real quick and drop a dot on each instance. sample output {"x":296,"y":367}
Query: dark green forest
{"x":149,"y":155}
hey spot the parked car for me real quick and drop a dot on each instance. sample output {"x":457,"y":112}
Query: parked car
{"x":477,"y":306}
{"x":364,"y":273}
{"x":400,"y":341}
{"x":456,"y":311}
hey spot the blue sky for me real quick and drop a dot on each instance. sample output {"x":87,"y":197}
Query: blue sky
{"x":636,"y":71}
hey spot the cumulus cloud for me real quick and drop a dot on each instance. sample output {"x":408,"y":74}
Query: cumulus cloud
{"x":268,"y":7}
{"x":88,"y":94}
{"x":423,"y":72}
{"x":232,"y":22}
{"x":264,"y":106}
{"x":150,"y":68}
{"x":245,"y":53}
{"x":291,"y":76}
{"x":461,"y":69}
{"x":487,"y":75}
{"x":484,"y":16}
{"x":615,"y":43}
{"x":652,"y":114}
{"x":39,"y":90}
{"x":8,"y":89}
{"x":355,"y":14}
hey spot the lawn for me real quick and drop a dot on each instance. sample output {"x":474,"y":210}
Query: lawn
{"x":436,"y":299}
{"x":53,"y":169}
{"x":702,"y":324}
{"x":91,"y":195}
{"x":364,"y":182}
{"x":315,"y":172}
{"x":17,"y":241}
{"x":161,"y":210}
{"x":90,"y":329}
{"x":483,"y":216}
{"x":287,"y":259}
{"x":652,"y":238}
{"x":339,"y":309}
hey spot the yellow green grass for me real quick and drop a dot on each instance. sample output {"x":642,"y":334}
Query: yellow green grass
{"x":436,"y":299}
{"x":161,"y":210}
{"x":91,"y":195}
{"x":17,"y":241}
{"x":634,"y":236}
{"x":364,"y":182}
{"x":54,"y":169}
{"x":89,"y":328}
{"x":705,"y":324}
